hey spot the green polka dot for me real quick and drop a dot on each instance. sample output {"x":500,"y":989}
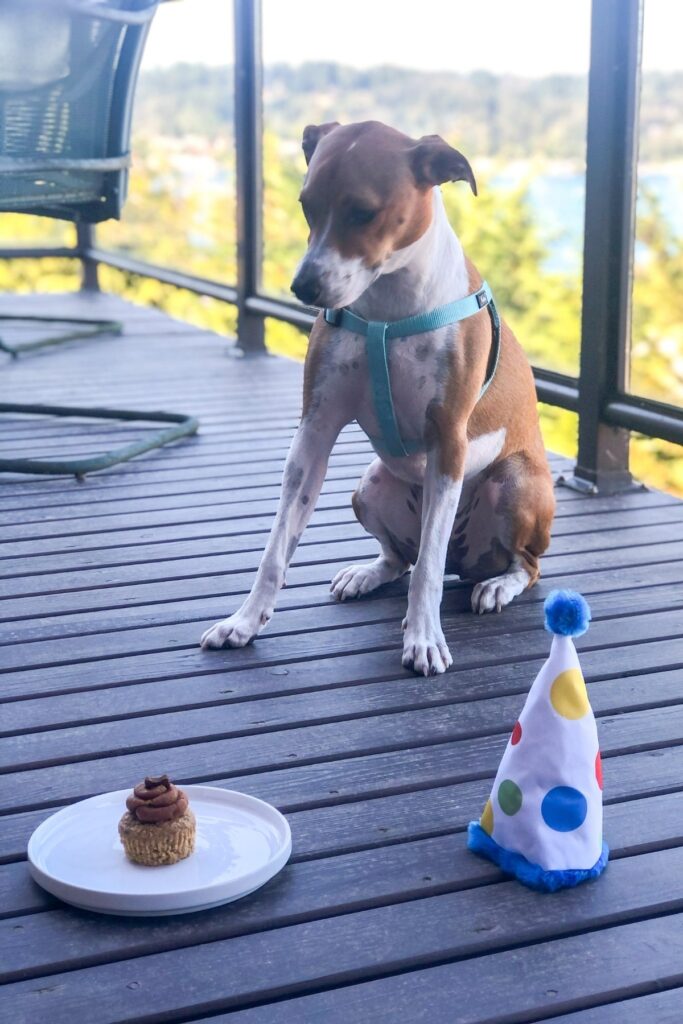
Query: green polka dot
{"x":509,"y":797}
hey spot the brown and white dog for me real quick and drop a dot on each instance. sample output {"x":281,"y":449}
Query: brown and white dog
{"x":479,"y":502}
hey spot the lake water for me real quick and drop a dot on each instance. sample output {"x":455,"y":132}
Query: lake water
{"x":558,"y":200}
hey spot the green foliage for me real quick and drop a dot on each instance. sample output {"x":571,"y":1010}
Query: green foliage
{"x":286,"y":340}
{"x":500,"y":234}
{"x":49,"y":275}
{"x":657,"y":327}
{"x":284,"y":228}
{"x":169,"y":223}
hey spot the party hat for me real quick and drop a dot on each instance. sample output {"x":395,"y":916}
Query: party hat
{"x":543,"y":821}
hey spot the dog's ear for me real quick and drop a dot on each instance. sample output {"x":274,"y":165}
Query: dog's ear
{"x":313,"y":133}
{"x":433,"y":161}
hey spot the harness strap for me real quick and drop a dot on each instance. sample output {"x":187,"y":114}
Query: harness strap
{"x":378,"y":333}
{"x":378,"y":364}
{"x":495,"y":347}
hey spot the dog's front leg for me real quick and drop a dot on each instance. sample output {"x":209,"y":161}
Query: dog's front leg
{"x":424,"y":645}
{"x":303,"y":477}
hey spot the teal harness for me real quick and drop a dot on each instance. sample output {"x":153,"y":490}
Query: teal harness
{"x":378,"y":333}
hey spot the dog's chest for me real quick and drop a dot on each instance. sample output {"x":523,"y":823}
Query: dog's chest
{"x":418,"y":368}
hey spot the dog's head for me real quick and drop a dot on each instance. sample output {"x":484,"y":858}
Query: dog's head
{"x":366,"y":195}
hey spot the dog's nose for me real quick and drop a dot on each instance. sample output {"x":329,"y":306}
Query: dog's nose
{"x":306,"y":285}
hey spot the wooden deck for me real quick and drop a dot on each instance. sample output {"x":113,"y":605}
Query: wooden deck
{"x":382,"y":915}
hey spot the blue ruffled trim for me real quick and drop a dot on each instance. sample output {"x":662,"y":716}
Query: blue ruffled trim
{"x":532,"y":875}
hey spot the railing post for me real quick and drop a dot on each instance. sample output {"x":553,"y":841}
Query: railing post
{"x":248,"y":147}
{"x":85,"y":242}
{"x":611,"y":166}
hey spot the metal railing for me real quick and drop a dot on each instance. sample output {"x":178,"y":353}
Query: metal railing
{"x":599,"y":395}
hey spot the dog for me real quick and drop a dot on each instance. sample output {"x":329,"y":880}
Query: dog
{"x":473,"y":494}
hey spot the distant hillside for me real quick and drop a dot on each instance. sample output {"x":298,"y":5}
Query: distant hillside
{"x":489,"y":115}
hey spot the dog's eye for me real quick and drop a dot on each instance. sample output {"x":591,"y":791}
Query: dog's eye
{"x":358,"y":215}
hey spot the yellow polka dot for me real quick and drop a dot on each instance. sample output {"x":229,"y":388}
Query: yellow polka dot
{"x":568,"y":694}
{"x":486,"y":820}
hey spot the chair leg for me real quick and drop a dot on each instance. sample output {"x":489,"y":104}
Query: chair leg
{"x":85,"y":328}
{"x":183,"y":426}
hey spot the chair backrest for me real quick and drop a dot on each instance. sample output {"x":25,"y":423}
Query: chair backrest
{"x":68,"y":70}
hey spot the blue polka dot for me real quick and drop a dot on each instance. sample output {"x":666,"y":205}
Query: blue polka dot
{"x":564,"y":809}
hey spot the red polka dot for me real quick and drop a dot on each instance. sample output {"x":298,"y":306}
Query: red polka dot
{"x":598,"y":769}
{"x":516,"y":734}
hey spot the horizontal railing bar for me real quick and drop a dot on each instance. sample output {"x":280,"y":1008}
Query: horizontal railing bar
{"x":280,"y":309}
{"x":556,"y":389}
{"x":654,"y":419}
{"x":190,"y":282}
{"x":38,"y":252}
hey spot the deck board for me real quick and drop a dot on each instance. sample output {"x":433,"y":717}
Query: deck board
{"x":382,"y":914}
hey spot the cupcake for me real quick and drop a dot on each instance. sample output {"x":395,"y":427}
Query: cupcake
{"x":158,"y":827}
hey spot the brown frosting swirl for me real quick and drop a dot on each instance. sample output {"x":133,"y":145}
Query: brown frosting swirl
{"x":157,"y":799}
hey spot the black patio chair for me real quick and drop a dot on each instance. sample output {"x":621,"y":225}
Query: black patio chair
{"x":68,"y":70}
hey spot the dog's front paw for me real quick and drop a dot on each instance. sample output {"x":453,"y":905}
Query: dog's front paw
{"x":492,"y":595}
{"x":425,"y":651}
{"x":356,"y":580}
{"x":235,"y":631}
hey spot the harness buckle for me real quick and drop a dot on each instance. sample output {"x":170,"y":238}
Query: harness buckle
{"x":333,"y":316}
{"x":482,"y":298}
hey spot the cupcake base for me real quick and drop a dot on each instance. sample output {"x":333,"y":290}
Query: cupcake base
{"x":163,"y":842}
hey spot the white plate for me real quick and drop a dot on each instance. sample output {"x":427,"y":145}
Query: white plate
{"x":241,"y":843}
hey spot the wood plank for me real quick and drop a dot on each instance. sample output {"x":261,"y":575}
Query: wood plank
{"x":191,"y":453}
{"x":402,"y":866}
{"x":657,"y":1008}
{"x":44,"y":710}
{"x":313,"y":596}
{"x":479,"y":639}
{"x":89,"y":556}
{"x":302,"y":580}
{"x":366,"y":880}
{"x":88,"y":498}
{"x":49,"y":711}
{"x":220,"y":499}
{"x":367,"y":801}
{"x":528,"y":984}
{"x":203,"y":758}
{"x":367,"y":626}
{"x":163,"y":532}
{"x":27,"y":748}
{"x":371,"y":619}
{"x":152,"y":469}
{"x":92,"y":493}
{"x":141,"y":573}
{"x":299,"y":676}
{"x":133,"y":481}
{"x":381,"y":941}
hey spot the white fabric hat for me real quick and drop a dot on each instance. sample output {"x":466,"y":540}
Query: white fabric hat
{"x":543,"y":821}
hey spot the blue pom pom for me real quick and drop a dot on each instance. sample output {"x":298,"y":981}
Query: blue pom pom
{"x":566,"y":613}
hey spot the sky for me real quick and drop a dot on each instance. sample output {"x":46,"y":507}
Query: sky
{"x":525,"y":37}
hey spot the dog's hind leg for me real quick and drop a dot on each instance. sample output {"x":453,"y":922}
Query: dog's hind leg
{"x":502,"y":531}
{"x":390,"y":509}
